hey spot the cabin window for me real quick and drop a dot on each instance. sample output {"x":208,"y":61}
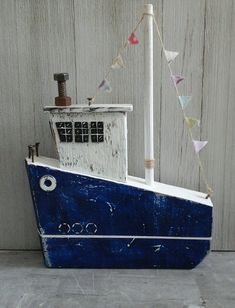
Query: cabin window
{"x":97,"y":131}
{"x":65,"y":131}
{"x":81,"y":132}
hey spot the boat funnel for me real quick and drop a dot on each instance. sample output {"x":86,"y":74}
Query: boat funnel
{"x":62,"y":99}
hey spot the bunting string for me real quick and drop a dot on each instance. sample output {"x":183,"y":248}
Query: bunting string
{"x":131,"y":40}
{"x":183,"y":100}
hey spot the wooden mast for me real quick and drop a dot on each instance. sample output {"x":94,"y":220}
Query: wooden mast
{"x":148,"y":98}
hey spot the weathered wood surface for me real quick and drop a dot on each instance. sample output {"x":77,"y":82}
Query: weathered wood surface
{"x":218,"y":116}
{"x":38,"y":38}
{"x":107,"y":158}
{"x":183,"y":31}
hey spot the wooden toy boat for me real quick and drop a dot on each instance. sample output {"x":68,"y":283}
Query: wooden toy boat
{"x":91,"y":214}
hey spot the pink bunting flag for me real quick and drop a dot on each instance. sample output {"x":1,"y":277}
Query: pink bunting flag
{"x":132,"y":39}
{"x":199,"y":145}
{"x":105,"y":86}
{"x":177,"y":79}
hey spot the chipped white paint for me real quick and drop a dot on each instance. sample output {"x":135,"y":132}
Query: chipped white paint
{"x":131,"y":242}
{"x":110,"y":207}
{"x":157,"y":247}
{"x":45,"y":251}
{"x":106,"y":159}
{"x":90,"y":109}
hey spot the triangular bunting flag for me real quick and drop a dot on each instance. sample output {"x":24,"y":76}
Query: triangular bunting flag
{"x":118,"y":62}
{"x":105,"y":86}
{"x":176,"y":79}
{"x":132,"y":39}
{"x":170,"y":55}
{"x":198,"y":145}
{"x":184,"y":100}
{"x":190,"y":122}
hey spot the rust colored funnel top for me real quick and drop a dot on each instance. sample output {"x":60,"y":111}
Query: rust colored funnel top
{"x":62,"y":99}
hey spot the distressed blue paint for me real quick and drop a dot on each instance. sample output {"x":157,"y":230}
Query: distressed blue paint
{"x":117,"y":209}
{"x":115,"y":253}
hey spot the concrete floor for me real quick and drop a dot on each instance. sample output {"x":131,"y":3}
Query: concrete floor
{"x":25,"y":282}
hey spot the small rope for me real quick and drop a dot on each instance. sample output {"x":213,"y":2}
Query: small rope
{"x":149,"y":14}
{"x":149,"y":163}
{"x":209,"y":189}
{"x":209,"y":193}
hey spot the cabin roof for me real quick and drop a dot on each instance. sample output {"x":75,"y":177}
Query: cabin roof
{"x":88,"y":109}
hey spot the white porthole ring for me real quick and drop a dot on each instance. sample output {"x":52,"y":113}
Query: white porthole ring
{"x":77,"y":228}
{"x":91,"y":227}
{"x":47,"y":183}
{"x":64,"y":228}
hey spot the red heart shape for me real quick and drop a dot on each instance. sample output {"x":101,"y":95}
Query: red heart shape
{"x":133,"y":39}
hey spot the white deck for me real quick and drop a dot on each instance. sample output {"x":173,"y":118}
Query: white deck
{"x":160,"y":188}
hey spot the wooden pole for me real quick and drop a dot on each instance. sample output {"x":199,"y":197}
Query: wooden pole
{"x":148,"y":99}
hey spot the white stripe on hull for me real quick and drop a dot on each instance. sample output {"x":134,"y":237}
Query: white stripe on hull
{"x":126,"y":237}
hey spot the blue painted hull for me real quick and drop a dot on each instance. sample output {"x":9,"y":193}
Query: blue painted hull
{"x":94,"y":223}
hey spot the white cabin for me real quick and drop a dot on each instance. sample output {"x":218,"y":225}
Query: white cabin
{"x":92,"y":139}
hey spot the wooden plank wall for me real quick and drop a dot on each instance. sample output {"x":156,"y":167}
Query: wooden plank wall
{"x":38,"y":38}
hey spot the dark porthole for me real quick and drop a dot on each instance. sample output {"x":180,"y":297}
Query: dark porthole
{"x":48,"y":183}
